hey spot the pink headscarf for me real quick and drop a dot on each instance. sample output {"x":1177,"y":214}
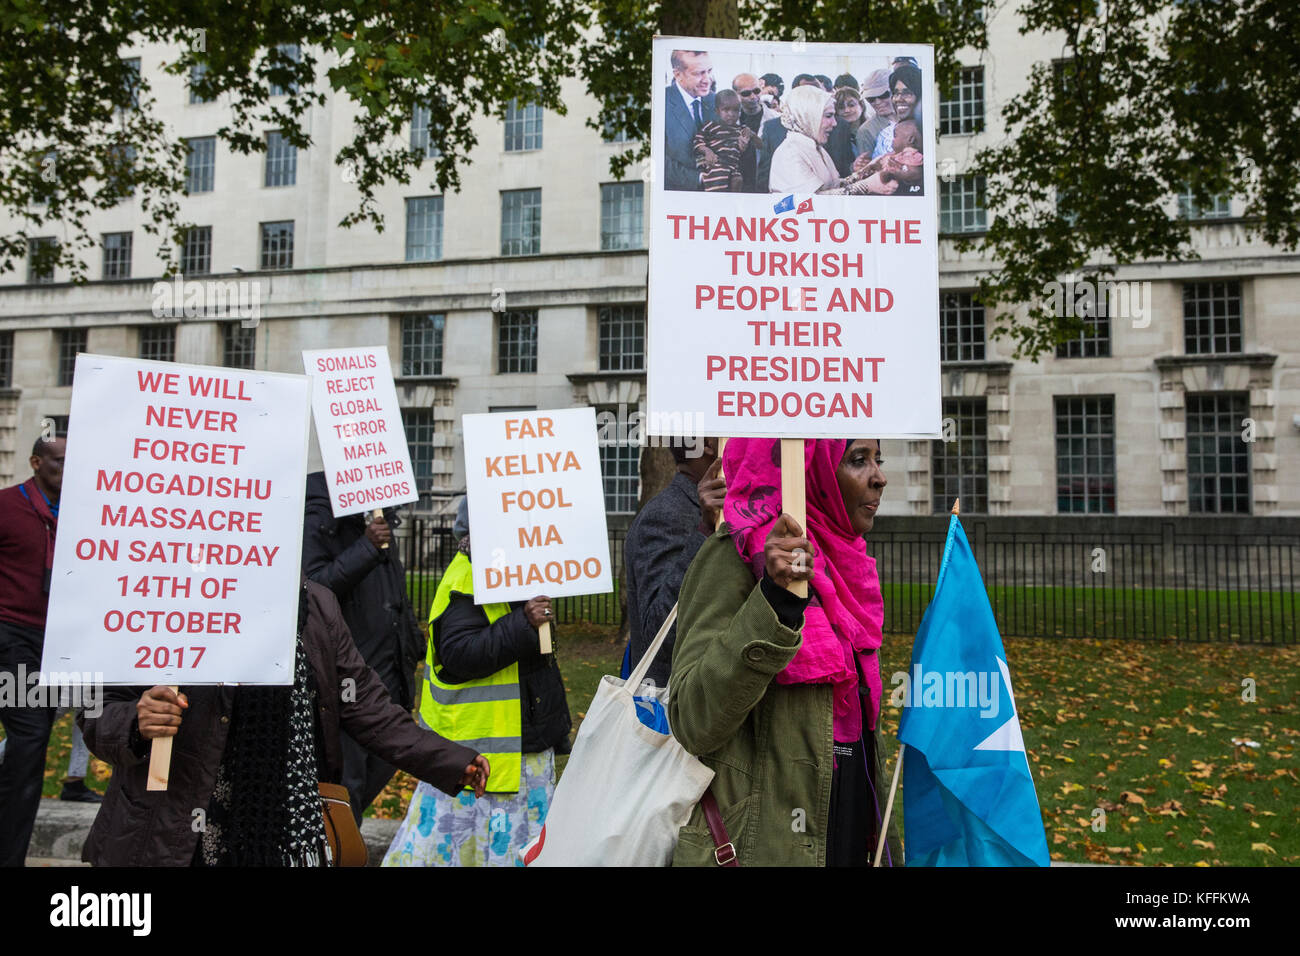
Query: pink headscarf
{"x":847,"y":626}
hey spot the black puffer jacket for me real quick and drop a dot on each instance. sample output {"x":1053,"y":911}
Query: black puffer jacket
{"x":370,"y":585}
{"x":469,"y":648}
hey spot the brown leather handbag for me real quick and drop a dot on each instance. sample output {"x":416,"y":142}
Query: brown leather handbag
{"x":347,"y":848}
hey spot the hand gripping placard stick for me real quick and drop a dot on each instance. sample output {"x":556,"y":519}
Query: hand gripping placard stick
{"x":792,"y":494}
{"x":377,"y":515}
{"x":160,"y":758}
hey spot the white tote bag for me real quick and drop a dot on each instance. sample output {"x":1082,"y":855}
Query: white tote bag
{"x":627,"y":789}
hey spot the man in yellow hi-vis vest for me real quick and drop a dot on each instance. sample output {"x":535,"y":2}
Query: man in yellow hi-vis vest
{"x":488,"y":686}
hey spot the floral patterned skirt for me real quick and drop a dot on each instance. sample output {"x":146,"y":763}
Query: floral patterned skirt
{"x":460,"y":831}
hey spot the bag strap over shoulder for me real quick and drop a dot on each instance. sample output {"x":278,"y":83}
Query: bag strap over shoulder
{"x":642,"y":668}
{"x":724,"y":851}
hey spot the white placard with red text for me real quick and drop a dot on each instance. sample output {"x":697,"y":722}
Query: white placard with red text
{"x":359,"y":429}
{"x":177,"y":559}
{"x":779,"y":313}
{"x":536,"y":505}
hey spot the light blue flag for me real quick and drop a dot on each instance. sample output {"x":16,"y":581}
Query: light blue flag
{"x":784,"y":205}
{"x":968,"y":793}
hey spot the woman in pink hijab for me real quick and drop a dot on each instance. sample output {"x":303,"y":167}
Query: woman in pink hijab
{"x":780,"y":695}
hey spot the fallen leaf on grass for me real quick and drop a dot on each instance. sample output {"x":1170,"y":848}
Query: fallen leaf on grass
{"x":1263,"y":848}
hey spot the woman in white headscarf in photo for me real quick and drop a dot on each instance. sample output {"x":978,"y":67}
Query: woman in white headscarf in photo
{"x":801,"y":164}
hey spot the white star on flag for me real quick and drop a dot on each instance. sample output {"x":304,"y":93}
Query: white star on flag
{"x":1006,"y":737}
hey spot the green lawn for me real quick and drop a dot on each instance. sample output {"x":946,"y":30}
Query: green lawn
{"x":1139,"y":730}
{"x":1243,"y":616}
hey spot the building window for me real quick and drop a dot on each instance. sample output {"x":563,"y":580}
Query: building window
{"x":621,"y":216}
{"x":281,"y":160}
{"x":1212,"y":317}
{"x":117,"y":255}
{"x":423,"y":140}
{"x":71,"y":341}
{"x":620,"y":468}
{"x":41,"y":254}
{"x":523,"y":126}
{"x":419,"y":439}
{"x":238,"y":345}
{"x":1220,"y":206}
{"x":200,"y":164}
{"x":119,"y":171}
{"x":961,"y":205}
{"x":622,"y":338}
{"x":1218,"y":460}
{"x":131,"y":80}
{"x":196,"y":253}
{"x":6,"y":359}
{"x":277,"y":245}
{"x":1094,"y":340}
{"x":961,"y":328}
{"x":517,"y":341}
{"x":197,"y":72}
{"x":1085,"y":454}
{"x":424,"y":229}
{"x":962,"y":110}
{"x":46,"y":171}
{"x":422,"y":344}
{"x":292,"y":51}
{"x":960,"y":468}
{"x":158,"y":343}
{"x":521,"y":222}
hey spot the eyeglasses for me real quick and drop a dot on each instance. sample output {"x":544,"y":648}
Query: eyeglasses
{"x":875,"y":99}
{"x":904,"y":94}
{"x":753,"y":92}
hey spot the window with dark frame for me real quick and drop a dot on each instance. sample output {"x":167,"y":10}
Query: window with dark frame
{"x":117,"y":255}
{"x":961,"y":328}
{"x":961,"y":205}
{"x":238,"y":345}
{"x":6,"y":359}
{"x":517,"y":341}
{"x":620,"y":469}
{"x":1218,"y":459}
{"x":277,"y":245}
{"x":962,"y":110}
{"x":158,"y":343}
{"x":196,"y":253}
{"x":960,"y":468}
{"x":622,"y":215}
{"x":523,"y":126}
{"x":521,"y":222}
{"x":71,"y":341}
{"x":621,"y":336}
{"x":200,"y":164}
{"x":1085,"y":454}
{"x":422,"y":344}
{"x":1220,"y":206}
{"x":419,"y":426}
{"x":281,"y":160}
{"x":1212,"y":317}
{"x":41,"y":253}
{"x":1093,"y":341}
{"x":424,"y":229}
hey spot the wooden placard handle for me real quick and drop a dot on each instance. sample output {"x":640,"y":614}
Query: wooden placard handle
{"x":160,"y":758}
{"x":793,"y":502}
{"x":544,"y":637}
{"x":722,"y":446}
{"x":377,"y":515}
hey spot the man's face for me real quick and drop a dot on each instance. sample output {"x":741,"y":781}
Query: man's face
{"x":749,"y":89}
{"x":882,"y":104}
{"x":696,"y":74}
{"x":47,"y":468}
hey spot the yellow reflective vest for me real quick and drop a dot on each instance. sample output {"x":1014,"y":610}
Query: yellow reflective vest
{"x":483,"y":714}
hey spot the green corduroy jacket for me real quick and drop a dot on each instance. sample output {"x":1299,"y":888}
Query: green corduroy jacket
{"x":770,"y":745}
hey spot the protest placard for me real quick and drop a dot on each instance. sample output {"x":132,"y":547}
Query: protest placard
{"x":359,"y":429}
{"x":793,"y":283}
{"x":180,"y":525}
{"x":536,"y":504}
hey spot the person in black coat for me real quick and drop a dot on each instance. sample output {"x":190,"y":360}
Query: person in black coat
{"x":355,"y":560}
{"x":688,"y":105}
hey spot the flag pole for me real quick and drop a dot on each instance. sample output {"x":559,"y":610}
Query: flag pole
{"x":898,"y":767}
{"x":722,"y":446}
{"x":889,"y":806}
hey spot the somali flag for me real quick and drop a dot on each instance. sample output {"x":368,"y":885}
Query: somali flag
{"x":968,"y":793}
{"x":785,"y":205}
